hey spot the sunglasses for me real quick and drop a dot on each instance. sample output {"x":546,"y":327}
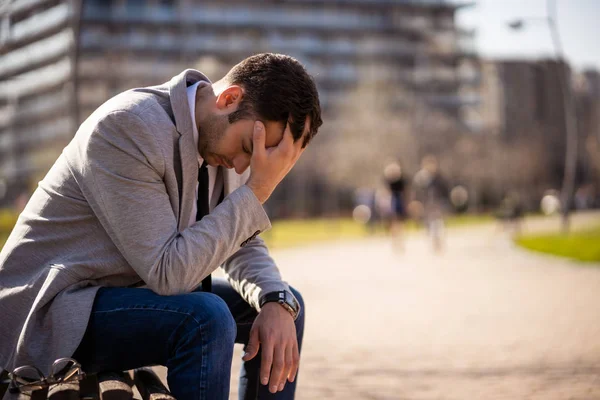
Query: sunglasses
{"x":28,"y":378}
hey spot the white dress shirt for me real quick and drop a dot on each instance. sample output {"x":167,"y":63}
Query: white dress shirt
{"x":215,"y":180}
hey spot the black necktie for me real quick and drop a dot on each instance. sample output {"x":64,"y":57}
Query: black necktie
{"x":202,"y":210}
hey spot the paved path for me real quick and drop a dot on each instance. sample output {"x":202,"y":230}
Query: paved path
{"x":484,"y":320}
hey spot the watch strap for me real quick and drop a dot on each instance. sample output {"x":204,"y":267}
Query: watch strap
{"x":285,"y":299}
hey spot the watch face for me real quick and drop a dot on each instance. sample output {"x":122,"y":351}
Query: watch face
{"x":287,"y":301}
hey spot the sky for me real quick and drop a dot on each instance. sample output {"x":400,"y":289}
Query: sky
{"x":578,"y":24}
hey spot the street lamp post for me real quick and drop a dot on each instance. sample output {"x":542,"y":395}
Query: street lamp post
{"x":571,"y":134}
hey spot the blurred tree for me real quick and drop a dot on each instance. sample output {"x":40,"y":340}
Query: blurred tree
{"x":366,"y":132}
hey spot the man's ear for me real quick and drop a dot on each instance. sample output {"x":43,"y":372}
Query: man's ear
{"x":229,"y":98}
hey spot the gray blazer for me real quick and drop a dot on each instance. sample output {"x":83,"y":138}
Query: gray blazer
{"x":113,"y":211}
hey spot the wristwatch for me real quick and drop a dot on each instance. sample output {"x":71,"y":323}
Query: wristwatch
{"x":284,"y":298}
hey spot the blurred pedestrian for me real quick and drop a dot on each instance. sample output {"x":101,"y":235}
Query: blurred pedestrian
{"x":432,"y":191}
{"x":511,"y":212}
{"x":397,"y":186}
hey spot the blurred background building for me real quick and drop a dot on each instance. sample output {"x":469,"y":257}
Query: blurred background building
{"x":523,"y":107}
{"x":37,"y":89}
{"x":397,"y":78}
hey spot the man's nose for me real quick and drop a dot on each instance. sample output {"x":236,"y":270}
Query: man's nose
{"x":241,"y":163}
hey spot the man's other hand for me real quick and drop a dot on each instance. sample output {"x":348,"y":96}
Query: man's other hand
{"x":270,"y":165}
{"x":275,"y":331}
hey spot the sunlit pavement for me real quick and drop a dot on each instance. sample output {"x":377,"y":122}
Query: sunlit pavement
{"x":483,"y":320}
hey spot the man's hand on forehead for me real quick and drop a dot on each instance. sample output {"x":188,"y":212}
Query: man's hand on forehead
{"x":270,"y":165}
{"x":294,"y":147}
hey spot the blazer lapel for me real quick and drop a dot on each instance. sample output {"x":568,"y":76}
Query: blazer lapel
{"x":187,"y":148}
{"x":189,"y":179}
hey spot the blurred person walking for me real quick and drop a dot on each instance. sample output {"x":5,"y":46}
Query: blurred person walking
{"x":432,"y":191}
{"x":511,"y":213}
{"x":396,"y":184}
{"x":110,"y":261}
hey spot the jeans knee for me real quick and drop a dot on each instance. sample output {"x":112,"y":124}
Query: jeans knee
{"x":218,"y":317}
{"x":200,"y":365}
{"x":210,"y":317}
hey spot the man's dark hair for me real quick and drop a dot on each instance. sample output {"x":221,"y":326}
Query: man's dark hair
{"x":277,"y":88}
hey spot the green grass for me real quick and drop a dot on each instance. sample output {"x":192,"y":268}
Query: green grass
{"x":3,"y":237}
{"x":468,"y":220}
{"x":8,"y":218}
{"x":288,"y":233}
{"x":581,"y":246}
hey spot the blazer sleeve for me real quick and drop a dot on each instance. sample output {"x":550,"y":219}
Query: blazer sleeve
{"x":253,"y":273}
{"x":120,"y":168}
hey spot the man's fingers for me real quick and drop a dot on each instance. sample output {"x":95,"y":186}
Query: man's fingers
{"x":299,"y":151}
{"x":295,"y":364}
{"x":253,"y":345}
{"x":290,"y":147}
{"x":278,"y":369}
{"x":258,"y":138}
{"x":288,"y":366}
{"x":266,"y":362}
{"x":286,"y":144}
{"x":298,"y":146}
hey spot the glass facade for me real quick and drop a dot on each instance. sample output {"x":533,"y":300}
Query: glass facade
{"x":37,"y":42}
{"x":60,"y":59}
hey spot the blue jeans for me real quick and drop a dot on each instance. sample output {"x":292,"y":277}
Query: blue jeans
{"x":191,"y":334}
